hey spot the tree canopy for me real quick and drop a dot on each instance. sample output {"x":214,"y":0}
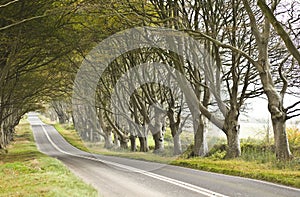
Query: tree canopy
{"x":253,"y":46}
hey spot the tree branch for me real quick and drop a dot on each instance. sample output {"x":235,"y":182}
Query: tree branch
{"x":7,"y":4}
{"x":292,"y":106}
{"x":283,"y":78}
{"x":20,"y":22}
{"x":279,"y":29}
{"x":293,"y":116}
{"x":235,"y":49}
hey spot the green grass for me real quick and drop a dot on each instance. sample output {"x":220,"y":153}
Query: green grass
{"x":254,"y":163}
{"x":71,"y":136}
{"x":239,"y":167}
{"x":24,"y":171}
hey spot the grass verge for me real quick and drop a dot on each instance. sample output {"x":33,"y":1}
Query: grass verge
{"x":25,"y":171}
{"x":238,"y":167}
{"x":71,"y":136}
{"x":282,"y":173}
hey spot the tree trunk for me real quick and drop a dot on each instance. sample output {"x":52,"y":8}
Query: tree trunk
{"x":200,"y":144}
{"x":282,"y":148}
{"x":108,"y":139}
{"x":2,"y":145}
{"x":124,"y":143}
{"x":278,"y":116}
{"x":275,"y":100}
{"x":159,"y":142}
{"x":177,"y":145}
{"x":174,"y":127}
{"x":133,"y":143}
{"x":233,"y":142}
{"x":232,"y":133}
{"x":61,"y":119}
{"x":91,"y":135}
{"x":116,"y":140}
{"x":143,"y":144}
{"x":157,"y":130}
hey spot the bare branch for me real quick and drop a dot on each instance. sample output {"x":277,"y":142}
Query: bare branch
{"x":7,"y":4}
{"x":293,"y":116}
{"x":292,"y":106}
{"x":283,"y":78}
{"x":253,"y":22}
{"x":279,"y":29}
{"x":22,"y":21}
{"x":293,"y":111}
{"x":235,"y":49}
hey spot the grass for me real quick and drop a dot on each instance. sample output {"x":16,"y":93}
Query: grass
{"x":69,"y":133}
{"x":239,"y":167}
{"x":254,"y":163}
{"x":25,"y":171}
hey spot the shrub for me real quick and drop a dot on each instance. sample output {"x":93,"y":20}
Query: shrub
{"x":293,"y":134}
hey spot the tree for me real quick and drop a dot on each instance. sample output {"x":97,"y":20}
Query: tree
{"x":275,"y":99}
{"x":31,"y":53}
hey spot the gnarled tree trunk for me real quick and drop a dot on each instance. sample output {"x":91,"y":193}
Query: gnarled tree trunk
{"x":232,"y":129}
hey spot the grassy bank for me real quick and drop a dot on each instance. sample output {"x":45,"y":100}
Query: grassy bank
{"x":238,"y":167}
{"x":252,"y":164}
{"x":25,"y":171}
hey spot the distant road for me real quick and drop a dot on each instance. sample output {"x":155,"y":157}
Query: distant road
{"x":113,"y":176}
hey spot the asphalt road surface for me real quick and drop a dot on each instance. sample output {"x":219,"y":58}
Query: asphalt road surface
{"x":113,"y":176}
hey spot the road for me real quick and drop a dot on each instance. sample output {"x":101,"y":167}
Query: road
{"x":114,"y":176}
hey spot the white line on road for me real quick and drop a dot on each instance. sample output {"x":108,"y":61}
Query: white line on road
{"x":182,"y":184}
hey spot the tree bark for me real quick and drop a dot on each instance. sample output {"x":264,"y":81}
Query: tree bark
{"x":116,"y":140}
{"x":159,"y":142}
{"x":2,"y":133}
{"x":174,"y":127}
{"x":232,"y":133}
{"x":133,"y":143}
{"x":143,"y":144}
{"x":108,"y":139}
{"x":157,"y":130}
{"x":177,"y":145}
{"x":200,"y":144}
{"x":124,"y":143}
{"x":278,"y":115}
{"x":281,"y":143}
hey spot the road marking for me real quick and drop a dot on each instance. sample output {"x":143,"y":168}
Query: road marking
{"x":182,"y":184}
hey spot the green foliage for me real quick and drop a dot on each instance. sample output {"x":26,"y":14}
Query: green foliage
{"x":218,"y":151}
{"x":293,"y":135}
{"x":168,"y":136}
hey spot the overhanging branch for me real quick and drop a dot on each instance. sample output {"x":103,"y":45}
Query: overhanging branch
{"x":279,"y":29}
{"x":20,"y":22}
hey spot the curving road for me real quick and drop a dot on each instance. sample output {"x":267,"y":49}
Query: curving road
{"x":113,"y":176}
